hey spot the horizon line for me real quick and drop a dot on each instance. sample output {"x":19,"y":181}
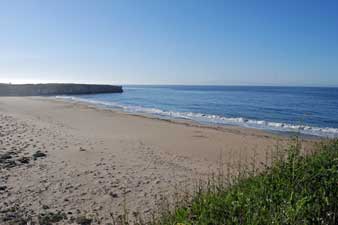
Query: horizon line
{"x":179,"y":84}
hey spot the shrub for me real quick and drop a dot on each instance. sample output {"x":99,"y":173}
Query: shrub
{"x":295,"y":189}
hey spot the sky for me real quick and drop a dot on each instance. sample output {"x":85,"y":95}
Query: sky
{"x":202,"y":42}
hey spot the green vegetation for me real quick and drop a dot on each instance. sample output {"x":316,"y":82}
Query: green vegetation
{"x":295,"y":189}
{"x":49,"y":218}
{"x":83,"y":220}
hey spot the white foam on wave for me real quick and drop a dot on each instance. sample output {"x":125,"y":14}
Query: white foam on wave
{"x":213,"y":119}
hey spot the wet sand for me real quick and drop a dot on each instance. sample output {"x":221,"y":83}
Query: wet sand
{"x":96,"y":162}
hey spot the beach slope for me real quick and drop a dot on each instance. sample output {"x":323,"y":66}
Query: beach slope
{"x":72,"y":157}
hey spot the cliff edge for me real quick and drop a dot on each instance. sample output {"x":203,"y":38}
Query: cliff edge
{"x":56,"y":89}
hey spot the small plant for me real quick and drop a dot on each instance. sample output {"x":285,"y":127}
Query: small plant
{"x":83,"y":220}
{"x":51,"y":218}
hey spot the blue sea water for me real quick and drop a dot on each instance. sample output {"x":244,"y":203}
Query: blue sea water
{"x":308,"y":110}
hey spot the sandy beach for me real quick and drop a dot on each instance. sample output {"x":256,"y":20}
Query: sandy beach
{"x":82,"y":160}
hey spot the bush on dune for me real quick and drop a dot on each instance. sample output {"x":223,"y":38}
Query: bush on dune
{"x":295,"y":189}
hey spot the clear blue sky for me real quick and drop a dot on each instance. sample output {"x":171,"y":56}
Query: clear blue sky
{"x":170,"y":42}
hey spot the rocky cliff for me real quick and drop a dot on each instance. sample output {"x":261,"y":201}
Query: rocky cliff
{"x":56,"y":89}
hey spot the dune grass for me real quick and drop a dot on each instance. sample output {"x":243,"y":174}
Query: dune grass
{"x":294,"y":189}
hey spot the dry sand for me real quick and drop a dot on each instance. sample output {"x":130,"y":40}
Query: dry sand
{"x":100,"y":161}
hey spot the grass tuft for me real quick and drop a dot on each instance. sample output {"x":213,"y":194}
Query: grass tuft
{"x":293,"y":189}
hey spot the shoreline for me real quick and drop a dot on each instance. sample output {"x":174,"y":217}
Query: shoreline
{"x":95,"y":161}
{"x":185,"y":122}
{"x":193,"y":123}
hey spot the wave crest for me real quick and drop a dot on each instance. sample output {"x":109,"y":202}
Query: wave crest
{"x":213,"y":119}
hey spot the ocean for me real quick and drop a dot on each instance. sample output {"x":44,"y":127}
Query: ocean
{"x":305,"y":110}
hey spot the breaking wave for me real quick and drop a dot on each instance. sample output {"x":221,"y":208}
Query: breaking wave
{"x":212,"y":119}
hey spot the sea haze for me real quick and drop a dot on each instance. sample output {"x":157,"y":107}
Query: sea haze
{"x":308,"y":110}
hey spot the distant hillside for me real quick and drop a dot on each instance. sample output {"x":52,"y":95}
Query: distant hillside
{"x":56,"y":89}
